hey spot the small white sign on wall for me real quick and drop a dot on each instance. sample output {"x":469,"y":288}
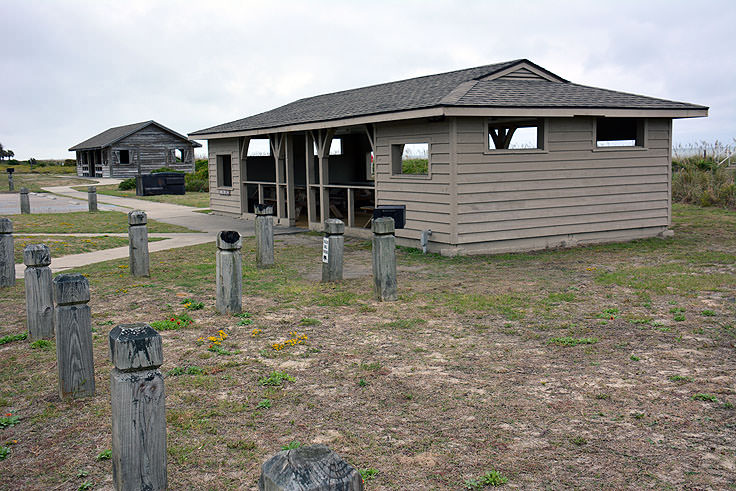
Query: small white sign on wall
{"x":325,"y":249}
{"x":225,"y":192}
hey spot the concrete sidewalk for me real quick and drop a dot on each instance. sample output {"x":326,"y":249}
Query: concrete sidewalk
{"x":60,"y":264}
{"x":186,"y":216}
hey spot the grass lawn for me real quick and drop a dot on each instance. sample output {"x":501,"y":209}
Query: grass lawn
{"x":35,"y":181}
{"x":197,"y":200}
{"x":84,"y":222}
{"x":64,"y":246}
{"x":602,"y":367}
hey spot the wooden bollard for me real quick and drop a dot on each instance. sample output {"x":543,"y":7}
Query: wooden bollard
{"x":7,"y":256}
{"x":39,"y":296}
{"x":333,"y":245}
{"x":25,"y":203}
{"x":11,"y":187}
{"x":74,"y":358}
{"x":92,"y":198}
{"x":264,"y":236}
{"x":138,"y":243}
{"x":229,"y":271}
{"x":138,"y":409}
{"x":308,"y":468}
{"x":384,"y":258}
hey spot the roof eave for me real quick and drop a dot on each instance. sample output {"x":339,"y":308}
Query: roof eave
{"x":694,"y":112}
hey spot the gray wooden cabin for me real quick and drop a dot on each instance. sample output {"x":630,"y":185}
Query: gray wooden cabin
{"x":126,"y":151}
{"x":517,"y":158}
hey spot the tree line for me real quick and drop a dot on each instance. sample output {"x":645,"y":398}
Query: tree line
{"x":6,"y":153}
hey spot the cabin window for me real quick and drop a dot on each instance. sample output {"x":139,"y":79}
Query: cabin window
{"x":619,"y":132}
{"x":335,"y":146}
{"x":410,"y":159}
{"x":224,"y":171}
{"x":259,"y":147}
{"x":515,"y":134}
{"x":124,"y":157}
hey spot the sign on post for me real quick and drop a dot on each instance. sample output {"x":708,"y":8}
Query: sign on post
{"x":325,"y":250}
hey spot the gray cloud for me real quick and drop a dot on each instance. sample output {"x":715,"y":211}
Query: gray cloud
{"x":73,"y":69}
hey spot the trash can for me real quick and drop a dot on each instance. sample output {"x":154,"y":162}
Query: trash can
{"x":159,"y":183}
{"x":397,"y":212}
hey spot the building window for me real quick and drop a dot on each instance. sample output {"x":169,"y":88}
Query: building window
{"x":259,"y":147}
{"x":410,"y":159}
{"x":224,"y":171}
{"x":619,"y":132}
{"x":516,"y":134}
{"x":124,"y":157}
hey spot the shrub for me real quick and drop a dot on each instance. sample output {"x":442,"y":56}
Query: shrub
{"x":166,"y":169}
{"x":694,"y":183}
{"x":127,"y":184}
{"x":194,"y":184}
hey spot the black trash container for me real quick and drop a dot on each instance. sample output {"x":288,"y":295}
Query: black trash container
{"x":159,"y":183}
{"x":397,"y":212}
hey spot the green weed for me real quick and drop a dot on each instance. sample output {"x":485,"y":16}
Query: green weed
{"x":490,"y":478}
{"x":368,"y":474}
{"x":292,"y":445}
{"x":264,"y":404}
{"x":306,"y":322}
{"x":705,"y":397}
{"x":4,"y":452}
{"x":191,"y":370}
{"x":190,"y":304}
{"x":175,"y":322}
{"x":569,"y":341}
{"x":708,"y":313}
{"x":104,"y":455}
{"x":43,"y":344}
{"x":276,"y":379}
{"x":13,"y":337}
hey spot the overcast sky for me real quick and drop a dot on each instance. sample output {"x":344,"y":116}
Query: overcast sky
{"x":73,"y":69}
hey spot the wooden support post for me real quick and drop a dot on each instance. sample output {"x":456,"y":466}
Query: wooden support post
{"x":25,"y":203}
{"x":351,"y":207}
{"x":324,"y":140}
{"x":92,"y":198}
{"x":7,"y":256}
{"x":290,"y":205}
{"x":277,"y":149}
{"x":309,"y":177}
{"x":229,"y":273}
{"x":264,"y":236}
{"x":260,"y":193}
{"x":333,"y":245}
{"x":74,"y":359}
{"x":312,"y":467}
{"x":384,"y":259}
{"x":39,"y":296}
{"x":138,"y":243}
{"x":138,"y":409}
{"x":11,"y":186}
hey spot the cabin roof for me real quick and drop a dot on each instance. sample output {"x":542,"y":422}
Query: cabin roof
{"x":482,"y":86}
{"x":114,"y":135}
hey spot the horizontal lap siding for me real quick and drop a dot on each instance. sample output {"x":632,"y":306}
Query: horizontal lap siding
{"x":218,"y":202}
{"x":151,"y":145}
{"x":427,"y":200}
{"x":569,"y":189}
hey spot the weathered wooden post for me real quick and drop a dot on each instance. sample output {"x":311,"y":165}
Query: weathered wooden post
{"x":25,"y":203}
{"x":384,"y":258}
{"x":138,"y":243}
{"x":138,"y":409}
{"x":92,"y":198}
{"x":229,"y":273}
{"x":308,"y":468}
{"x":7,"y":257}
{"x":74,"y":337}
{"x":39,"y":296}
{"x":333,"y":245}
{"x":11,"y":187}
{"x":264,"y":236}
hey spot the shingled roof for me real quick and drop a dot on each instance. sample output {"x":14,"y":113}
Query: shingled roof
{"x":462,"y":88}
{"x":113,"y":135}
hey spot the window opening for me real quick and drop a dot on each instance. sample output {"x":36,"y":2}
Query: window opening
{"x":124,"y":156}
{"x":259,"y":147}
{"x":224,"y":171}
{"x":619,"y":132}
{"x":515,"y":135}
{"x":410,"y":159}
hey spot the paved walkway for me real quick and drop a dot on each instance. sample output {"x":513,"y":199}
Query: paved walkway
{"x":186,"y":216}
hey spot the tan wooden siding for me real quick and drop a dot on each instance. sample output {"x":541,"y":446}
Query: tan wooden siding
{"x":427,"y":199}
{"x":569,"y":188}
{"x":219,"y":202}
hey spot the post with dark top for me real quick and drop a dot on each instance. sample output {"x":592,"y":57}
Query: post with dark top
{"x":333,"y":245}
{"x":92,"y":198}
{"x":25,"y":203}
{"x":39,"y":296}
{"x":229,"y":272}
{"x":7,"y":257}
{"x":74,"y":337}
{"x":313,"y":467}
{"x":138,"y":243}
{"x":11,"y":187}
{"x":138,"y":409}
{"x":384,"y":258}
{"x":264,"y":236}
